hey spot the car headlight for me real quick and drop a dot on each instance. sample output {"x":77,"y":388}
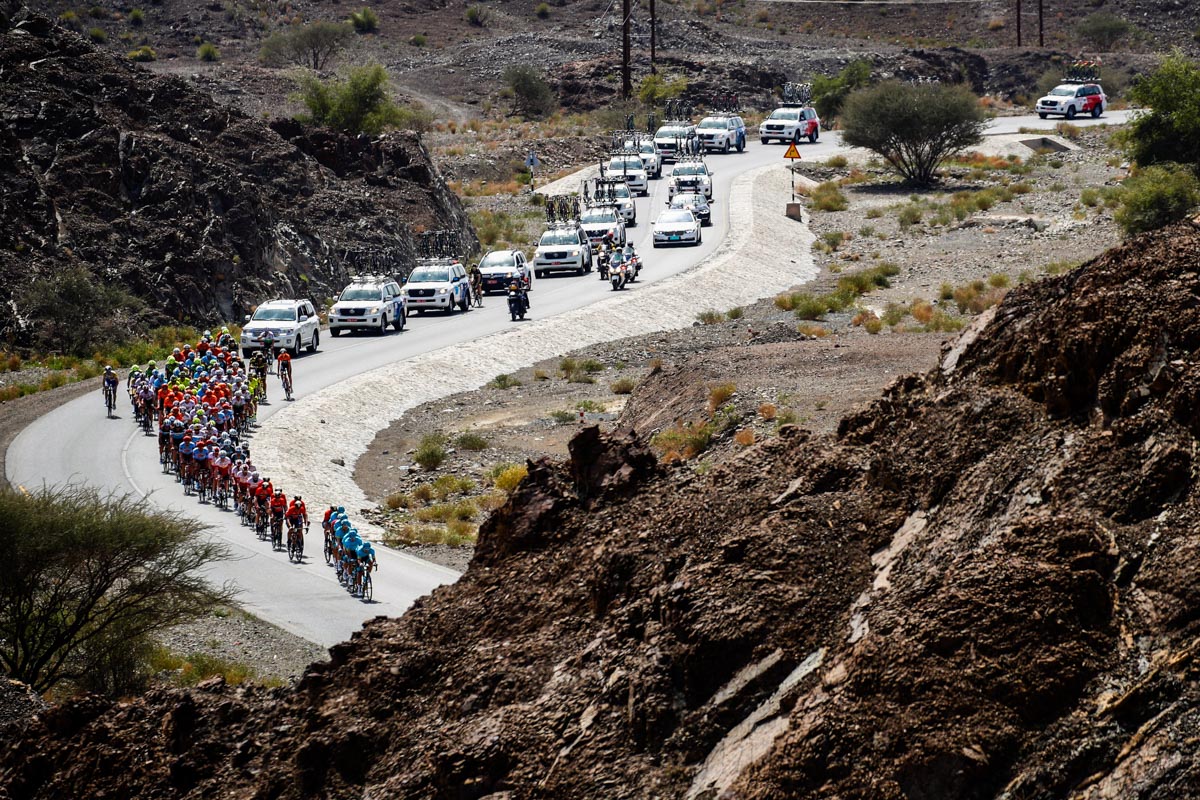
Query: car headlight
{"x":442,"y":290}
{"x":373,"y":310}
{"x":574,"y":252}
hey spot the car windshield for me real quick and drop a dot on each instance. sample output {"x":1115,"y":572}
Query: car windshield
{"x":359,"y":293}
{"x":559,"y":237}
{"x":1063,"y":91}
{"x":275,"y":315}
{"x":676,"y":216}
{"x":785,"y":113}
{"x":498,"y":260}
{"x":429,"y":276}
{"x":714,"y":123}
{"x":647,"y":147}
{"x":670,"y":132}
{"x":689,"y":169}
{"x":600,"y":215}
{"x":621,"y":190}
{"x":628,"y":164}
{"x":687,"y":199}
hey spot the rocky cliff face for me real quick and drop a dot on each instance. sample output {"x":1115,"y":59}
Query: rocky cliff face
{"x":983,"y":586}
{"x":146,"y":184}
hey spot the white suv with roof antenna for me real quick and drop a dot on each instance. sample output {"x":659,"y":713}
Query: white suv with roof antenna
{"x":291,"y":324}
{"x":370,"y":302}
{"x":438,"y":283}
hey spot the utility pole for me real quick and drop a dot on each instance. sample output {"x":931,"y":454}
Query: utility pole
{"x":626,"y":77}
{"x":1041,"y":30}
{"x":653,"y":37}
{"x":1018,"y":23}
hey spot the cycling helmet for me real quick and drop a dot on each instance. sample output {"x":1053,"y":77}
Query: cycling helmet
{"x":341,"y":509}
{"x":279,"y":491}
{"x":296,"y":499}
{"x":107,"y":368}
{"x":152,"y":365}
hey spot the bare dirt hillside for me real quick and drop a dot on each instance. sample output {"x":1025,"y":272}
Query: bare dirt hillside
{"x":981,"y":586}
{"x":194,"y":208}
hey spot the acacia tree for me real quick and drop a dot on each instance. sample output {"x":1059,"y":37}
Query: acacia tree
{"x":1168,"y":130}
{"x":310,"y":45}
{"x":913,"y":127}
{"x":79,"y":568}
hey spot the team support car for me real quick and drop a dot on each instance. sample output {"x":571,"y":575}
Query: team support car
{"x":669,"y":137}
{"x":723,"y":132}
{"x":623,"y":197}
{"x":791,"y":124}
{"x":1073,"y":99}
{"x":599,"y":221}
{"x":676,"y":226}
{"x":694,"y":202}
{"x":651,"y":156}
{"x":371,"y":304}
{"x":501,"y":267}
{"x":690,"y":176}
{"x":629,"y":166}
{"x":442,"y":285}
{"x":290,"y":325}
{"x":561,"y":249}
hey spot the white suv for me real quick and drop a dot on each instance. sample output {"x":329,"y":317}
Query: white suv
{"x":438,"y":284}
{"x":668,"y":138}
{"x":690,"y":176}
{"x":651,"y":157}
{"x":369,"y":303}
{"x":724,"y":132}
{"x":563,"y":247}
{"x":629,"y":166}
{"x":599,"y":221}
{"x":791,"y":124}
{"x":1072,"y":99}
{"x":292,"y":324}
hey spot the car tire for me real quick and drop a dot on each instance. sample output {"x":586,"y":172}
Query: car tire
{"x":315,"y":343}
{"x":1097,"y":110}
{"x":741,"y":145}
{"x":812,"y":137}
{"x":398,"y":322}
{"x":383,"y":323}
{"x":725,"y":149}
{"x":1042,"y":115}
{"x":295,"y":350}
{"x":1071,"y":112}
{"x":403,"y":320}
{"x":335,"y":332}
{"x":764,"y":141}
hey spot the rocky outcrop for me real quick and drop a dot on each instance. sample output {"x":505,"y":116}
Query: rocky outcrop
{"x":146,"y":185}
{"x":983,"y":586}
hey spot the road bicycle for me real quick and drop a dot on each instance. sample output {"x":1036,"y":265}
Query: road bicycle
{"x":110,"y":400}
{"x":295,"y":545}
{"x":366,"y":589}
{"x":285,"y":377}
{"x":276,"y":530}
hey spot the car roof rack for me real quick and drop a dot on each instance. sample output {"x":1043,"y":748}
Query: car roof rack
{"x":690,"y":158}
{"x":677,"y":110}
{"x":443,"y":244}
{"x":796,"y":94}
{"x":1083,"y":71}
{"x":370,"y":278}
{"x":562,"y":209}
{"x":599,"y":192}
{"x":724,"y":105}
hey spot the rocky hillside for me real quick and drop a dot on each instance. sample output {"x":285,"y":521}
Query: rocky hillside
{"x":145,"y":185}
{"x":983,"y":586}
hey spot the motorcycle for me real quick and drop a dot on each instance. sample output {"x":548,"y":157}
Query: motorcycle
{"x":619,"y":277}
{"x":603,"y":262}
{"x":518,"y":304}
{"x":634,"y":264}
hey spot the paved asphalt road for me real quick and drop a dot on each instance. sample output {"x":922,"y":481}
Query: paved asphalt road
{"x":76,"y":444}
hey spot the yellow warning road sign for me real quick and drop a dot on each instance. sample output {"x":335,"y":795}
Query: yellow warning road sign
{"x":792,"y":152}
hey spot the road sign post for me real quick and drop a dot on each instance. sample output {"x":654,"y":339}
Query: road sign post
{"x":792,"y":155}
{"x":531,"y":164}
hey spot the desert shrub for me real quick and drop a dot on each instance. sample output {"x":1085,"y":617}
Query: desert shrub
{"x":828,"y":196}
{"x":580,"y":376}
{"x":478,"y":16}
{"x":837,"y":162}
{"x":941,"y":322}
{"x":358,"y":104}
{"x":809,"y":329}
{"x":417,"y":40}
{"x":542,"y":11}
{"x":909,"y":215}
{"x":999,"y":280}
{"x":1103,"y":30}
{"x":622,"y":386}
{"x":654,"y":90}
{"x":208,"y":52}
{"x":398,"y":500}
{"x":591,"y":365}
{"x":432,"y":452}
{"x":830,"y":91}
{"x":540,"y":375}
{"x":532,"y":95}
{"x":719,"y":394}
{"x":1157,"y":196}
{"x":737,"y":312}
{"x":69,"y":19}
{"x":97,"y":12}
{"x":470,"y":441}
{"x":137,"y":17}
{"x":562,"y":416}
{"x":873,"y":325}
{"x":97,"y":35}
{"x":874,"y":213}
{"x":510,"y":477}
{"x":311,"y":45}
{"x":447,"y":485}
{"x":1169,"y":129}
{"x":710,"y":317}
{"x":503,"y":381}
{"x":66,"y":306}
{"x":744,"y":437}
{"x":921,"y":311}
{"x":683,"y":441}
{"x":1090,"y":197}
{"x":914,"y":128}
{"x":423,"y":493}
{"x":767,"y":411}
{"x":785,"y":302}
{"x":364,"y":20}
{"x":808,"y":306}
{"x":833,"y":239}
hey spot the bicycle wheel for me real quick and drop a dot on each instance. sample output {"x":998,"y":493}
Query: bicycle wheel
{"x":328,"y":551}
{"x":368,"y":588}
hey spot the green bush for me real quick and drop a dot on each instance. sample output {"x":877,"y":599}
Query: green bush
{"x":1169,"y":129}
{"x":623,"y":386}
{"x":208,"y":52}
{"x":365,"y":21}
{"x":828,"y":196}
{"x":737,"y":312}
{"x":417,"y":40}
{"x":144,"y":53}
{"x":432,"y":452}
{"x":809,"y":306}
{"x":358,"y":104}
{"x":509,"y":478}
{"x":542,"y":11}
{"x":310,"y":46}
{"x":1157,"y":196}
{"x":562,"y":416}
{"x":478,"y":16}
{"x":470,"y":441}
{"x":532,"y":94}
{"x":97,"y":35}
{"x":504,"y":382}
{"x":655,"y":90}
{"x":69,"y":19}
{"x":1103,"y":30}
{"x":830,"y":92}
{"x":914,"y":128}
{"x":710,"y":317}
{"x":137,"y":17}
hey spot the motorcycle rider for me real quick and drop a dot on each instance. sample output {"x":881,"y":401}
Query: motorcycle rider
{"x":516,"y":289}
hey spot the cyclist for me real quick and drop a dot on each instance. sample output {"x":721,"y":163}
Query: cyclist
{"x":258,"y":365}
{"x":110,"y":389}
{"x":285,"y":373}
{"x":279,"y":506}
{"x":477,"y":286}
{"x":297,"y":519}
